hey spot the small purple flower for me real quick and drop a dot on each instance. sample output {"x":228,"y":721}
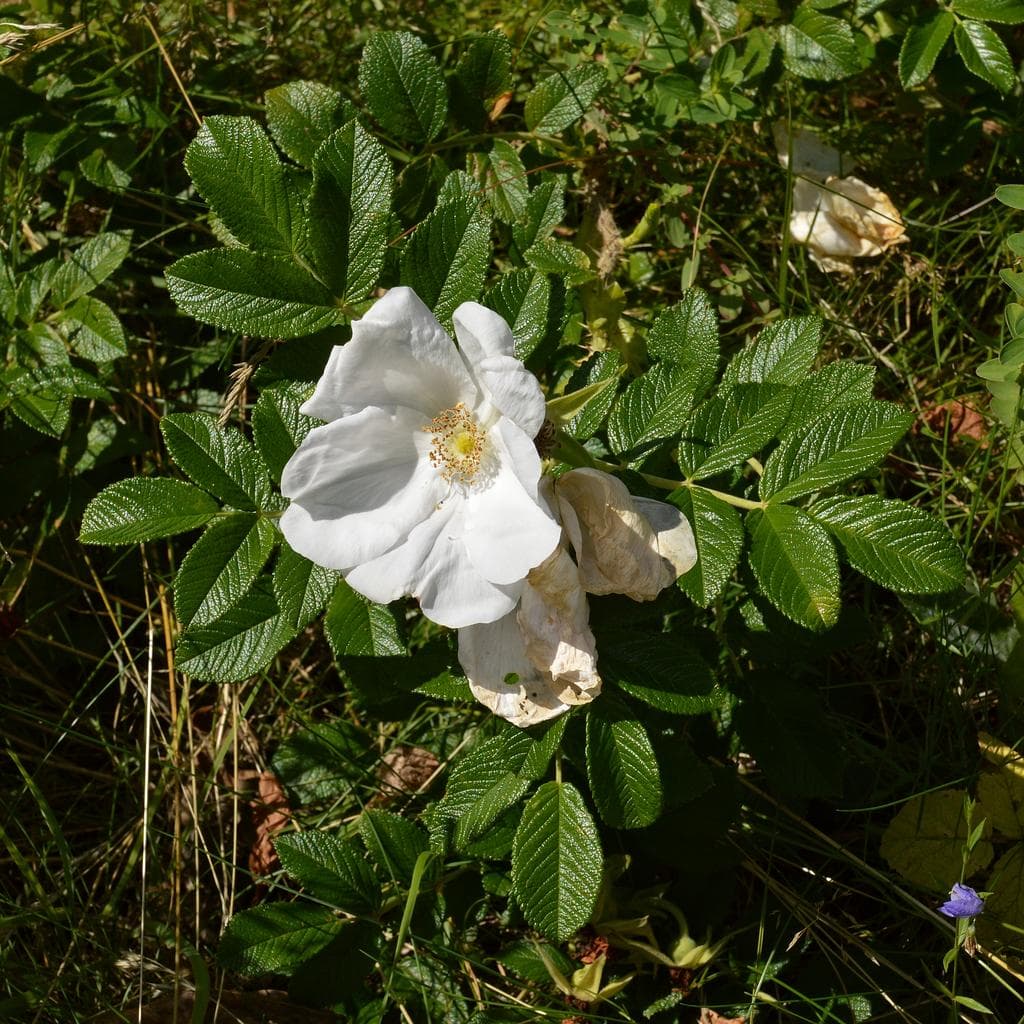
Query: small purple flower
{"x":963,"y":902}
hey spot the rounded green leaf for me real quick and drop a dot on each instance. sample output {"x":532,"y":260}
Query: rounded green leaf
{"x":300,"y":115}
{"x":234,"y":167}
{"x":257,"y":293}
{"x":403,"y":86}
{"x":984,"y":54}
{"x":818,"y":46}
{"x":330,"y":869}
{"x":622,"y":768}
{"x":558,"y":100}
{"x":221,"y":566}
{"x":349,"y":207}
{"x":447,"y":256}
{"x":221,"y":461}
{"x":556,"y":861}
{"x":239,"y":643}
{"x":796,"y":565}
{"x":276,"y":937}
{"x":838,"y":445}
{"x":145,"y":509}
{"x":921,"y":46}
{"x":896,"y":545}
{"x":718,"y":534}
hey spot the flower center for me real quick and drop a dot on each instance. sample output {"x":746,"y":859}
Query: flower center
{"x":458,"y":445}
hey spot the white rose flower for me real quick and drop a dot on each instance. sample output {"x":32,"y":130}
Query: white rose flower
{"x":424,"y":478}
{"x":837,"y":216}
{"x":541,"y":660}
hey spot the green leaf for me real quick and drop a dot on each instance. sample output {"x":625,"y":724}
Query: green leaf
{"x":1008,"y":12}
{"x":835,"y":385}
{"x":403,"y":86}
{"x":818,"y":46}
{"x":522,"y":297}
{"x":235,"y":169}
{"x":718,"y":533}
{"x":984,"y":54}
{"x":323,"y":761}
{"x":841,"y":444}
{"x":94,"y":330}
{"x":330,"y":869}
{"x":484,"y":71}
{"x":556,"y":861}
{"x":276,"y":938}
{"x":221,"y":461}
{"x":505,"y":182}
{"x":505,"y":792}
{"x":687,"y":334}
{"x":145,"y":509}
{"x":89,"y":265}
{"x":602,"y":368}
{"x":545,"y":209}
{"x":240,"y":643}
{"x":349,"y":208}
{"x":622,"y":768}
{"x":560,"y":99}
{"x":651,"y":409}
{"x":921,"y":47}
{"x":1011,"y":195}
{"x":925,"y":841}
{"x":447,"y":257}
{"x":278,"y":428}
{"x":1004,"y":918}
{"x":358,"y":627}
{"x":781,"y":723}
{"x":896,"y":545}
{"x":394,"y":843}
{"x":731,"y":427}
{"x":552,"y":256}
{"x":796,"y":565}
{"x":782,"y":353}
{"x":255,"y":293}
{"x":300,"y":587}
{"x":300,"y":115}
{"x":664,"y":671}
{"x":221,"y":567}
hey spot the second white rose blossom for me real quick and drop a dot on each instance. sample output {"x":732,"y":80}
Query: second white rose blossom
{"x":424,"y":479}
{"x":540,"y":660}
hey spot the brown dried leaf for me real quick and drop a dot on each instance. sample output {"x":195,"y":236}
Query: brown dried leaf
{"x":271,"y":814}
{"x":404,"y":769}
{"x":959,"y":418}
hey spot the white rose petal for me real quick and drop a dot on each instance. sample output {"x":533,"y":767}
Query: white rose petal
{"x":536,"y":663}
{"x":539,"y":662}
{"x":616,"y":546}
{"x":842,"y":219}
{"x":424,"y":478}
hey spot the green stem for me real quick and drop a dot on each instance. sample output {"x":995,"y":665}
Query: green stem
{"x":568,"y":449}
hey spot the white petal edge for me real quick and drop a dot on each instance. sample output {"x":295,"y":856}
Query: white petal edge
{"x":501,"y":677}
{"x":358,"y":486}
{"x":398,"y":355}
{"x":434,"y":566}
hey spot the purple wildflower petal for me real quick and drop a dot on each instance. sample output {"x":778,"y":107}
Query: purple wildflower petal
{"x":963,"y":902}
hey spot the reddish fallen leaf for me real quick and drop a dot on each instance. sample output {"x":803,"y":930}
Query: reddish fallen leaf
{"x":593,"y":948}
{"x":711,"y":1017}
{"x":959,"y":418}
{"x":271,"y":813}
{"x":404,"y":769}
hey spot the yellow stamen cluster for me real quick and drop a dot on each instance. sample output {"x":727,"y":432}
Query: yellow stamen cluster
{"x":458,"y":444}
